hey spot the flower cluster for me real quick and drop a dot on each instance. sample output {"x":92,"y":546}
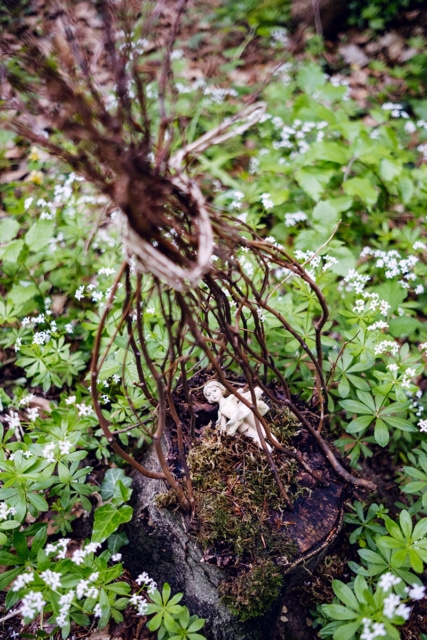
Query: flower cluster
{"x":6,"y":511}
{"x":395,"y":266}
{"x":32,"y":604}
{"x":297,"y":136}
{"x":53,"y":451}
{"x":146,"y":582}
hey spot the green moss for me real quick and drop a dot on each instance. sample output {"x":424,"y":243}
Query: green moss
{"x":241,"y":514}
{"x":252,"y":592}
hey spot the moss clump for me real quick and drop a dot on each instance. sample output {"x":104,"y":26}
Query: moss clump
{"x":240,"y":516}
{"x":252,"y":592}
{"x":239,"y":506}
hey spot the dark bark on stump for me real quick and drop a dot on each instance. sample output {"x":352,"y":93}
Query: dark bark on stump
{"x":161,"y":544}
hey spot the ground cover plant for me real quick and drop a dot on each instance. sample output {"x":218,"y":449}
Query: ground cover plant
{"x":336,"y":197}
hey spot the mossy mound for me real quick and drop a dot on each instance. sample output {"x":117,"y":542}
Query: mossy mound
{"x":240,"y":517}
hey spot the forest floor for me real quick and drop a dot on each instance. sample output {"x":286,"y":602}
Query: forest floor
{"x":348,"y":54}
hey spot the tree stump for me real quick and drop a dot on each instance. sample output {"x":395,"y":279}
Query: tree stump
{"x":164,"y":541}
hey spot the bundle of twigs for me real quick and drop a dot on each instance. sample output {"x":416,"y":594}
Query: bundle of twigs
{"x":50,"y":95}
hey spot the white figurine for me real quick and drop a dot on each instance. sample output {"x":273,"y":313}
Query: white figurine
{"x":233,"y":414}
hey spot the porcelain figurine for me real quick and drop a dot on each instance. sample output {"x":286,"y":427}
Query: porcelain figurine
{"x":234,"y":416}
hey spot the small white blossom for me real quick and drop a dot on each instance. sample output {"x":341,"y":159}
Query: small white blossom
{"x":266,"y":201}
{"x":84,"y":410}
{"x":391,"y":603}
{"x":33,"y":413}
{"x":32,"y":604}
{"x":70,"y":400}
{"x":416,"y":592}
{"x":80,"y":293}
{"x":388,"y":580}
{"x":13,"y":420}
{"x":22,"y":580}
{"x":49,"y":452}
{"x":51,"y":578}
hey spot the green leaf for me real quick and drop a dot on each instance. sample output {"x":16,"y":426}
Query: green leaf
{"x":38,"y":501}
{"x":362,"y":188}
{"x":312,"y":182}
{"x":39,"y":235}
{"x":107,"y":520}
{"x":12,"y":251}
{"x":381,"y":433}
{"x":400,"y":423}
{"x":359,"y":424}
{"x":345,"y":594}
{"x":390,"y":169}
{"x":354,"y":406}
{"x":420,"y":529}
{"x":196,"y":625}
{"x":8,"y":229}
{"x":111,"y":478}
{"x":404,"y":326}
{"x":405,"y":522}
{"x":325,"y":214}
{"x":21,"y":293}
{"x":406,"y":189}
{"x":347,"y":631}
{"x":8,"y":576}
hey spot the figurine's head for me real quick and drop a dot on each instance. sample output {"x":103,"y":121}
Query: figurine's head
{"x":214,"y":391}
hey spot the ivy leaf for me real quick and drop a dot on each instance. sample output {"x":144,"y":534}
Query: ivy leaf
{"x":111,"y":479}
{"x":108,"y":519}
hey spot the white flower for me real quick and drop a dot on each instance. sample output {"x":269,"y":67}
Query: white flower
{"x":5,"y":511}
{"x":388,"y":580}
{"x":70,"y":400}
{"x":32,"y":604}
{"x":78,"y":557}
{"x":97,"y":611}
{"x":391,"y":603}
{"x":82,"y":588}
{"x":116,"y":557}
{"x":18,"y":344}
{"x":403,"y":611}
{"x":48,"y":452}
{"x":422,"y":425}
{"x":33,"y":413}
{"x":380,"y":324}
{"x":266,"y":200}
{"x":84,"y":410}
{"x":51,"y":578}
{"x":292,"y":219}
{"x":79,"y":293}
{"x":64,"y":447}
{"x":143,"y":578}
{"x":22,"y":580}
{"x":13,"y":420}
{"x":416,"y":592}
{"x":41,"y":337}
